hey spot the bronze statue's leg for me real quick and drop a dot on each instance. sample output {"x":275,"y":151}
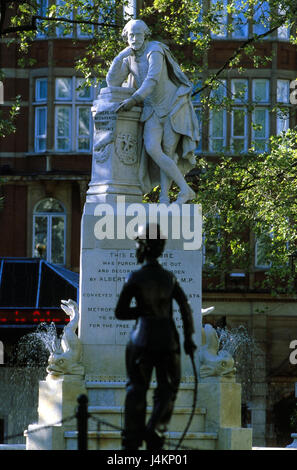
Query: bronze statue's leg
{"x":139,"y":371}
{"x":168,"y":372}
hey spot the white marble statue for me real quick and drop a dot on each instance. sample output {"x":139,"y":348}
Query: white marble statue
{"x":66,"y":359}
{"x":170,"y":132}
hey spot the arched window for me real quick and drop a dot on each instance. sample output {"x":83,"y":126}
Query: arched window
{"x":49,"y":231}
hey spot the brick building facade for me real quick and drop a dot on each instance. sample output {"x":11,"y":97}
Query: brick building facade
{"x":45,"y":169}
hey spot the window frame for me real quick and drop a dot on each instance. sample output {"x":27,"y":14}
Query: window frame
{"x":244,"y":137}
{"x":38,"y":98}
{"x":266,"y":130}
{"x":224,"y":135}
{"x":267,"y":91}
{"x":282,"y":120}
{"x":60,"y":28}
{"x":69,"y":137}
{"x":263,"y":28}
{"x":261,"y":266}
{"x":38,"y":137}
{"x":218,"y":97}
{"x":42,"y":11}
{"x":49,"y":216}
{"x":73,"y":102}
{"x":65,"y":98}
{"x":81,"y":136}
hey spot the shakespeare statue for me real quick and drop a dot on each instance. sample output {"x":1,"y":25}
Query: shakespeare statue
{"x":154,"y":343}
{"x":170,"y":131}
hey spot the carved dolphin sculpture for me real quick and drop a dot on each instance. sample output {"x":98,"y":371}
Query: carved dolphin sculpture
{"x":66,"y":358}
{"x":212,"y":361}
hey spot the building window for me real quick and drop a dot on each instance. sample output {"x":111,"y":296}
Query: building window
{"x":239,"y":134}
{"x":218,"y":120}
{"x":66,"y":30}
{"x":41,"y":89}
{"x":261,"y":18}
{"x":40,"y":129}
{"x":260,"y":115}
{"x":86,"y":30}
{"x":239,"y":130}
{"x":261,"y":90}
{"x":198,"y":110}
{"x":236,"y":25}
{"x":73,"y":123}
{"x":63,"y":128}
{"x":230,"y":25}
{"x":40,"y":141}
{"x":64,"y":89}
{"x":260,"y":130}
{"x":49,"y":231}
{"x":283,"y":100}
{"x":42,"y":10}
{"x":245,"y":123}
{"x":222,"y":19}
{"x":262,"y":260}
{"x":240,"y":26}
{"x":218,"y":125}
{"x":86,"y":10}
{"x":283,"y":31}
{"x":83,"y":129}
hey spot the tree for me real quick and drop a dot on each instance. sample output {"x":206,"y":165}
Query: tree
{"x":250,"y":193}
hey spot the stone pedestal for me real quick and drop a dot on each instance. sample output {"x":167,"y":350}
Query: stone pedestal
{"x":222,"y":399}
{"x":57,"y":402}
{"x":117,"y":148}
{"x":106,"y":263}
{"x":112,"y":215}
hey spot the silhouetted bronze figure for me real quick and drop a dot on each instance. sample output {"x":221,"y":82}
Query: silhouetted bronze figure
{"x":154,"y":343}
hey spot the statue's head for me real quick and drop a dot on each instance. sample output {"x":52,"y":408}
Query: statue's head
{"x":135,"y":32}
{"x":150,"y":242}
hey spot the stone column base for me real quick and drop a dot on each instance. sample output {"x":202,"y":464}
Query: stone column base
{"x":222,"y":399}
{"x":57,"y":403}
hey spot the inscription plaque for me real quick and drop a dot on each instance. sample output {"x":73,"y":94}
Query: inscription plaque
{"x":102,"y":286}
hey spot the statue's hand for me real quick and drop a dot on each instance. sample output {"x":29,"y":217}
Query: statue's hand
{"x":126,"y":105}
{"x":125,"y":53}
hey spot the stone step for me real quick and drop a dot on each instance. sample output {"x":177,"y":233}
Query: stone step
{"x":111,"y":440}
{"x":114,"y":416}
{"x":12,"y":446}
{"x":113,"y":393}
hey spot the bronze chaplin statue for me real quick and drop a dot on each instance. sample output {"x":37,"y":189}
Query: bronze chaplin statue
{"x":154,"y":342}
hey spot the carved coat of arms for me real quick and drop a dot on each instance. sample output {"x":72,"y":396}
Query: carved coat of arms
{"x":126,"y":148}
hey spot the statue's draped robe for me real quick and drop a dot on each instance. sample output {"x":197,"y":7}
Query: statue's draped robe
{"x":165,"y":92}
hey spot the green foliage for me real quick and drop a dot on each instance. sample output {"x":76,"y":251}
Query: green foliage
{"x":7,"y":120}
{"x":255,"y":193}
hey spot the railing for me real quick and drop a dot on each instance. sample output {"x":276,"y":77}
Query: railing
{"x":82,"y":416}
